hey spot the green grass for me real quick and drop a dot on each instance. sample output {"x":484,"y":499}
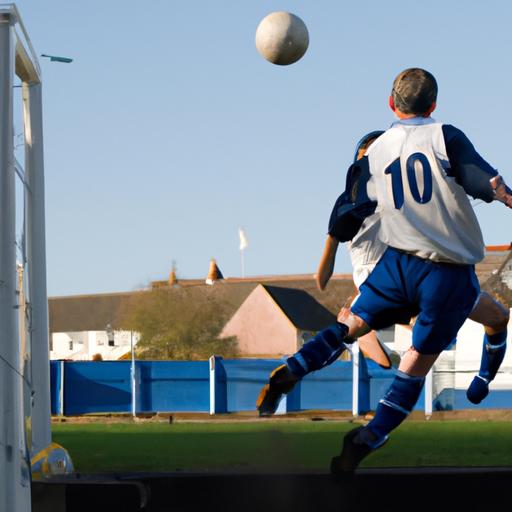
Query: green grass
{"x":96,"y":448}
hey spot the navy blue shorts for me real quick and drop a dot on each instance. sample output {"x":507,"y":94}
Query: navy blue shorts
{"x":402,"y":286}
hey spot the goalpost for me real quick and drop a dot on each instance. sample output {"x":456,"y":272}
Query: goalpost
{"x":25,"y":427}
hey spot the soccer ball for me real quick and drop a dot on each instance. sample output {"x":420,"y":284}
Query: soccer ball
{"x":282,"y":38}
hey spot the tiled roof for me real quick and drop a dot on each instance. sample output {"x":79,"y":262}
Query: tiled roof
{"x":94,"y":312}
{"x":255,"y":279}
{"x":85,"y":312}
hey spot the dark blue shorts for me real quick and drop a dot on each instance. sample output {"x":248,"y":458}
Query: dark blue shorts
{"x":402,"y":286}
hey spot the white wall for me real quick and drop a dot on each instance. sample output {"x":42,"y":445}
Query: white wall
{"x":88,"y":343}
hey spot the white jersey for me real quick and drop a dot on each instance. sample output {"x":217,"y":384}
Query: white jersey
{"x":422,"y":210}
{"x":366,"y":249}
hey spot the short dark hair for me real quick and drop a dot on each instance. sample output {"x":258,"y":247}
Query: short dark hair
{"x":414,"y":91}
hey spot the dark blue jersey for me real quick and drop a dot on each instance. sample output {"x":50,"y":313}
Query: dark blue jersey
{"x":354,"y":205}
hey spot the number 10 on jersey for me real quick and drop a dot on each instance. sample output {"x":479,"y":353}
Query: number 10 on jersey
{"x":397,"y":181}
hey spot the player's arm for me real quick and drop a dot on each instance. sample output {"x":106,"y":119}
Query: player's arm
{"x":476,"y":176}
{"x":337,"y":232}
{"x":347,"y":217}
{"x":326,"y":267}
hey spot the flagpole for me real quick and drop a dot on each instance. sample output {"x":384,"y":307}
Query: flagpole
{"x":243,"y":245}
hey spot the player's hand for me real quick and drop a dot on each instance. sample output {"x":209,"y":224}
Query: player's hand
{"x":502,"y":192}
{"x":343,"y":315}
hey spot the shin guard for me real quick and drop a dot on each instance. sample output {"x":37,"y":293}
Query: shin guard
{"x":320,"y":351}
{"x":493,"y":352}
{"x":396,"y":405}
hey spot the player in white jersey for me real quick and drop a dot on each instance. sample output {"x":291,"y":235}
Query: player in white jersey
{"x":427,"y":270}
{"x":366,"y":249}
{"x":420,"y":174}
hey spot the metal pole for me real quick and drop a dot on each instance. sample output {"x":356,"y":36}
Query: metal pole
{"x":62,"y":390}
{"x":355,"y":379}
{"x":212,"y":385}
{"x":36,"y":258}
{"x":132,"y":377}
{"x":242,"y":259}
{"x":14,"y":469}
{"x":429,"y":393}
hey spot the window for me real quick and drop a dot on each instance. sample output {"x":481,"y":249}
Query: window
{"x":110,"y":335}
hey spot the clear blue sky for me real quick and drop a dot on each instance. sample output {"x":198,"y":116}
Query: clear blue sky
{"x":169,"y":130}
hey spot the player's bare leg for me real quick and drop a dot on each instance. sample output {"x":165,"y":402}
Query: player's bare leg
{"x":416,"y":364}
{"x":368,"y":341}
{"x":322,"y":350}
{"x":356,"y":326}
{"x":372,"y":348}
{"x":494,"y":317}
{"x":392,"y":410}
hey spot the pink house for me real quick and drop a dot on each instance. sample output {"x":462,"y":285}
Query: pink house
{"x":274,"y":321}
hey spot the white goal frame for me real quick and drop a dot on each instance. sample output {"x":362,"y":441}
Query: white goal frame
{"x":24,"y":351}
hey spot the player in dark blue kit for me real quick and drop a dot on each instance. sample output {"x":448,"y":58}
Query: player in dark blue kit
{"x":354,"y":220}
{"x":420,"y":172}
{"x":366,"y":250}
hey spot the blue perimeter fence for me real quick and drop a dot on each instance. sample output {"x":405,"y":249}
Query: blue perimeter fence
{"x":226,"y":386}
{"x":215,"y":386}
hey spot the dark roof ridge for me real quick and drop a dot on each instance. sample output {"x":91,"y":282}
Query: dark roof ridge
{"x":301,"y":308}
{"x":102,"y":294}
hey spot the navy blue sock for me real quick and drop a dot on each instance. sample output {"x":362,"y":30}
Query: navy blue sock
{"x":395,"y":406}
{"x":493,"y":353}
{"x":322,"y":350}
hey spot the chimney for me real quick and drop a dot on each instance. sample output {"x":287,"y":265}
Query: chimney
{"x":173,"y":280}
{"x":214,"y":274}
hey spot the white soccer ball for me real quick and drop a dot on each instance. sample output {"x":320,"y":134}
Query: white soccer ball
{"x":282,"y":38}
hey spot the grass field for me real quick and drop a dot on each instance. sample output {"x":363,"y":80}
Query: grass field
{"x":106,"y":447}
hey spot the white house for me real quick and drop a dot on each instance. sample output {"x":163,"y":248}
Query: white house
{"x":85,"y":327}
{"x":90,"y":345}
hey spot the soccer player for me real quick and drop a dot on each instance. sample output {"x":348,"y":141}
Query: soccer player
{"x":420,"y":172}
{"x":365,"y":251}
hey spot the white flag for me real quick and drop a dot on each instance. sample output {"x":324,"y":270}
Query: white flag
{"x":243,"y":240}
